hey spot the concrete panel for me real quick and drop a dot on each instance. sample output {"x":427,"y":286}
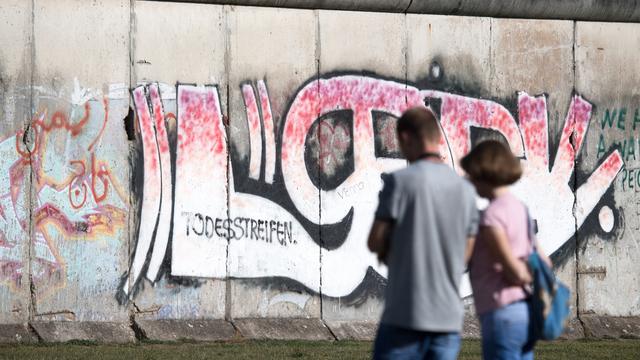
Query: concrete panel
{"x":602,"y":327}
{"x":196,"y":330}
{"x":351,"y":41}
{"x":522,"y":52}
{"x":608,"y":73}
{"x":353,"y":330}
{"x":16,"y":333}
{"x":272,"y":52}
{"x":80,"y":200}
{"x":461,"y":66}
{"x":15,"y":113}
{"x":435,"y":59}
{"x":347,"y":134}
{"x":175,"y":43}
{"x":283,"y":329}
{"x":179,"y":43}
{"x":103,"y":332}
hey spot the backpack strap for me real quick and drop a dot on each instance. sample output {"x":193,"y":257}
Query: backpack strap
{"x":531,"y":230}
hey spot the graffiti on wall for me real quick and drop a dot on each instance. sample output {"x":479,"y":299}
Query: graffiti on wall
{"x":59,"y":190}
{"x":300,"y":203}
{"x":617,"y":124}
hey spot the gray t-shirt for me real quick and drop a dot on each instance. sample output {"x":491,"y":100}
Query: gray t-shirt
{"x":433,"y":211}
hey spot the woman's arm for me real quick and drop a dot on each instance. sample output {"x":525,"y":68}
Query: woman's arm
{"x":515,"y":270}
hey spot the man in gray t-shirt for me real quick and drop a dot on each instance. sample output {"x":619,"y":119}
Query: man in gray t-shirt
{"x":425,"y":218}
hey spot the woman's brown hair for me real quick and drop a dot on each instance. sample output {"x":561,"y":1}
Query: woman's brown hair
{"x":492,"y":162}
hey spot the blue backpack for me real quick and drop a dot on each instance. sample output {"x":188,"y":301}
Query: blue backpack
{"x":549,"y":301}
{"x":550,"y":298}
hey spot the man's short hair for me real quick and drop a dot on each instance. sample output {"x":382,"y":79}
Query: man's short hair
{"x":493,"y":163}
{"x":420,"y":122}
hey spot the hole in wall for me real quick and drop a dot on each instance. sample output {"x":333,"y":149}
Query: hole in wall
{"x":129,"y":125}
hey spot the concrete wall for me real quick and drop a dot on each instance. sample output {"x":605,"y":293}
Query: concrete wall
{"x":171,"y":169}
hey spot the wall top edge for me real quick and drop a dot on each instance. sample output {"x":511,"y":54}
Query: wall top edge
{"x":595,"y":10}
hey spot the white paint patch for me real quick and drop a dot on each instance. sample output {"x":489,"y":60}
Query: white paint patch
{"x":167,"y":91}
{"x":297,"y":299}
{"x":118,"y":91}
{"x":81,"y":95}
{"x":605,"y":217}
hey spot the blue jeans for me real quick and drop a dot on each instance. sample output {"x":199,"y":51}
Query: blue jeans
{"x":397,"y":343}
{"x":506,"y":333}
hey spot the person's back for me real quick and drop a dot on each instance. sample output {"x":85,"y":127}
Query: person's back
{"x":425,"y":217}
{"x":426,"y":255}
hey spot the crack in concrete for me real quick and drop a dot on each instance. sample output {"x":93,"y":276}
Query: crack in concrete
{"x":227,"y":126}
{"x":317,"y":55}
{"x":130,"y":223}
{"x":25,"y":140}
{"x":575,"y":198}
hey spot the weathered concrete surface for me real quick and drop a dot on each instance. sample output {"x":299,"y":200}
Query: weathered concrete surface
{"x":175,"y":43}
{"x":80,"y":265}
{"x":362,"y":52}
{"x":283,"y":329}
{"x":599,"y":327}
{"x":198,"y":330}
{"x":179,"y":43}
{"x":464,"y":64}
{"x":16,"y":56}
{"x":353,"y":330}
{"x":574,"y":330}
{"x":83,"y":230}
{"x":608,"y":74}
{"x":271,"y":53}
{"x":520,"y":52}
{"x":16,"y":333}
{"x":104,"y":332}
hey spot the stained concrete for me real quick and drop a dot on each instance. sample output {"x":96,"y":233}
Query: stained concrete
{"x":178,"y":43}
{"x":363,"y":52}
{"x":463,"y":64}
{"x":284,"y":42}
{"x":601,"y":327}
{"x":16,"y":71}
{"x":103,"y":332}
{"x":353,"y":330}
{"x":99,"y":58}
{"x":574,"y":330}
{"x":283,"y":329}
{"x":17,"y":333}
{"x":608,"y":74}
{"x":196,"y":330}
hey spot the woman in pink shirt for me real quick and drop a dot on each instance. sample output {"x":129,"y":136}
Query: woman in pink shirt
{"x":497,"y":267}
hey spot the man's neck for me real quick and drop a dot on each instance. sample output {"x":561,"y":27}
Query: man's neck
{"x":429,"y":153}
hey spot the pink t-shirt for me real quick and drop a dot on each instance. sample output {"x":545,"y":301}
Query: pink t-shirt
{"x":490,"y":289}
